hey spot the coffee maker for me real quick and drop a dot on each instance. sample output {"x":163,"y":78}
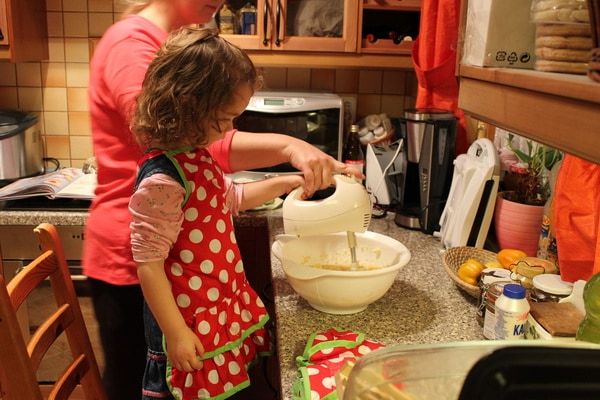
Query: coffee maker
{"x":430,"y":136}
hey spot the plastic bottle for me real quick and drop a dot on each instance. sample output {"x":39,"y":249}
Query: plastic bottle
{"x":589,"y":328}
{"x":353,"y":154}
{"x":512,"y":309}
{"x":226,"y":20}
{"x":248,"y":19}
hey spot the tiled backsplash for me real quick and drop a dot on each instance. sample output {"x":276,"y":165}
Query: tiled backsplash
{"x":56,"y":89}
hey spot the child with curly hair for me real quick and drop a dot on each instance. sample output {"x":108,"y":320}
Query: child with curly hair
{"x":182,"y":234}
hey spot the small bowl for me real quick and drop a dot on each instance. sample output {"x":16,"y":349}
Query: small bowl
{"x":453,"y":258}
{"x":340,"y":291}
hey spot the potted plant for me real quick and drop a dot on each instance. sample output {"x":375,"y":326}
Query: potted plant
{"x":520,"y":206}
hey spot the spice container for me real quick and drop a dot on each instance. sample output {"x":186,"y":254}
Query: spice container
{"x":549,"y":287}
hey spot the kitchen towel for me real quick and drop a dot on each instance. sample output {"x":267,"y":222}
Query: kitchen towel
{"x":577,"y":218}
{"x":434,"y":58}
{"x":324,"y":355}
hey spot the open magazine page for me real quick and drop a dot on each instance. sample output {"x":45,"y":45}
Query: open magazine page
{"x":81,"y":188}
{"x":66,"y":182}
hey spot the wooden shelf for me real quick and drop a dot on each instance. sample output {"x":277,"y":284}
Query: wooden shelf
{"x":330,"y":60}
{"x":383,"y":46}
{"x":394,"y":5}
{"x":560,"y":110}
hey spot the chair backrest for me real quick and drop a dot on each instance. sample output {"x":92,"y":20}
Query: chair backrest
{"x":20,"y":358}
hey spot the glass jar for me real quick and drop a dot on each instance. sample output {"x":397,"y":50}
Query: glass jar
{"x":488,"y":277}
{"x":549,"y":287}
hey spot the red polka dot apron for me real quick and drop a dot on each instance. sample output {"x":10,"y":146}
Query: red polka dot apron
{"x":210,"y":286}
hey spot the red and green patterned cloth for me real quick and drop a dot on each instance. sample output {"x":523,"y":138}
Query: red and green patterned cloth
{"x":324,"y":355}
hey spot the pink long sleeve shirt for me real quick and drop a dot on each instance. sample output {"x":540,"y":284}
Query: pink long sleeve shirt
{"x":157,"y":212}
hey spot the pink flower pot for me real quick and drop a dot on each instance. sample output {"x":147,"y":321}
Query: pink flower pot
{"x":518,"y":225}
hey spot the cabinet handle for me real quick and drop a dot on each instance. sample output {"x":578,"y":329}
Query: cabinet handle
{"x":278,"y":23}
{"x":266,"y":14}
{"x":1,"y":34}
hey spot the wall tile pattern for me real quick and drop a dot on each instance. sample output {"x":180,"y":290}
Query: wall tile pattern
{"x":56,"y":89}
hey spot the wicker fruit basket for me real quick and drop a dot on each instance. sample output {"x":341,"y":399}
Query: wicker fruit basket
{"x":455,"y":256}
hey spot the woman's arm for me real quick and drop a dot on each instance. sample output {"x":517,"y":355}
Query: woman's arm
{"x":256,"y":193}
{"x":255,"y":150}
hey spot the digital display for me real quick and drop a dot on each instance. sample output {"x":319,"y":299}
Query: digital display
{"x":273,"y":102}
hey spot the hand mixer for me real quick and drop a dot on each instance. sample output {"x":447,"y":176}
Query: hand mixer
{"x":347,"y":209}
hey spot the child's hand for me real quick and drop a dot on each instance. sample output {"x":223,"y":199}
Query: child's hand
{"x":183,"y":350}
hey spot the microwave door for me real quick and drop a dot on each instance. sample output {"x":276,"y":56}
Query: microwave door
{"x":318,"y":127}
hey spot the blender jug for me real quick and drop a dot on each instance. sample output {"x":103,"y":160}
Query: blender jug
{"x":430,"y":136}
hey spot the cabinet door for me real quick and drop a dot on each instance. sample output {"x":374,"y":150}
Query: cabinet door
{"x":315,"y":25}
{"x":261,"y":39}
{"x":23,"y":25}
{"x":304,"y":25}
{"x":3,"y":25}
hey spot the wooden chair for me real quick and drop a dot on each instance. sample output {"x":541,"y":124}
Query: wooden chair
{"x":19,"y":361}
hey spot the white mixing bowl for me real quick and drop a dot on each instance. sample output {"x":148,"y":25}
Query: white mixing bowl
{"x":345,"y":291}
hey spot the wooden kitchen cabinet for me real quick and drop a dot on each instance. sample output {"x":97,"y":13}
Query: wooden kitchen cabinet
{"x":276,"y":45}
{"x":385,"y":26}
{"x":284,"y":25}
{"x":23,"y":30}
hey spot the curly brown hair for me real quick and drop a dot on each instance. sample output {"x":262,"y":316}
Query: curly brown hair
{"x":195,"y":74}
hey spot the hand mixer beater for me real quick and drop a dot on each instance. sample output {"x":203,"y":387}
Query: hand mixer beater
{"x":347,"y":209}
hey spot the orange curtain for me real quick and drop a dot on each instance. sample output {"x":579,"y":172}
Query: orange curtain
{"x":434,"y":58}
{"x":577,"y":218}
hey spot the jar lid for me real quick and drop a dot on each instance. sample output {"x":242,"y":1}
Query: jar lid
{"x":514,"y":291}
{"x":551,"y":283}
{"x":491,"y":275}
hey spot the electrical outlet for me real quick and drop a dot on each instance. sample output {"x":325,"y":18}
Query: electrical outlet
{"x":349,"y":107}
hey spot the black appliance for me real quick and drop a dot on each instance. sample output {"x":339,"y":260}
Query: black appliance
{"x":430,"y":136}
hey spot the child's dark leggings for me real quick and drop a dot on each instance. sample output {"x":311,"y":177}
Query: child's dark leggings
{"x":155,"y":381}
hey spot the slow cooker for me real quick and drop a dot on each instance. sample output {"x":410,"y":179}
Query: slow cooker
{"x":21,"y":148}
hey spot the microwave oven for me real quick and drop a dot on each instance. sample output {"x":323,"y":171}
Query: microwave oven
{"x":316,"y":118}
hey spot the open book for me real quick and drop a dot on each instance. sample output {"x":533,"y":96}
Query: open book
{"x":64,"y":183}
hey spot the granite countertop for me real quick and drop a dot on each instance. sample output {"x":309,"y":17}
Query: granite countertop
{"x":422,"y":306}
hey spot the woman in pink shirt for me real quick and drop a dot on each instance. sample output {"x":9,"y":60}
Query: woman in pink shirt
{"x":117,"y":70}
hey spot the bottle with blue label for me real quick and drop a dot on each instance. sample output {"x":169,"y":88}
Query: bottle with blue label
{"x":512,"y":309}
{"x":248,"y":19}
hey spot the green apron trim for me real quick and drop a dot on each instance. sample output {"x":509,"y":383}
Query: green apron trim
{"x":230,"y":345}
{"x":311,"y":349}
{"x":236,"y":343}
{"x":222,"y":396}
{"x":230,"y":392}
{"x":301,"y":387}
{"x":170,"y":154}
